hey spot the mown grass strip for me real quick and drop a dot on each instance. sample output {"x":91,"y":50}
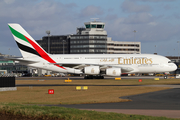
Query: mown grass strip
{"x":69,"y":94}
{"x":44,"y":112}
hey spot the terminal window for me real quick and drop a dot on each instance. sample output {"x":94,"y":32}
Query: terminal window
{"x":100,"y":26}
{"x":93,"y":26}
{"x":88,"y":26}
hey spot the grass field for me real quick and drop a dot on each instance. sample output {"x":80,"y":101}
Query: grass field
{"x":69,"y":95}
{"x":12,"y":101}
{"x":60,"y":113}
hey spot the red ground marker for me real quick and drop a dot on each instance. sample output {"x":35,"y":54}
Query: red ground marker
{"x":51,"y":91}
{"x":140,"y":80}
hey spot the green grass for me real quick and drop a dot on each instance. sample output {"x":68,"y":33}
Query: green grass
{"x":34,"y":111}
{"x":69,"y":94}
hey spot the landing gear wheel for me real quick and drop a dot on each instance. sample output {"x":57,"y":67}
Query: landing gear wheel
{"x":165,"y":77}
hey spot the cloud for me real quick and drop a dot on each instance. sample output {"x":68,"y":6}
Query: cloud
{"x":177,"y":16}
{"x":36,"y":18}
{"x":42,"y":14}
{"x":131,"y":7}
{"x":148,"y":26}
{"x":91,"y":11}
{"x":9,"y":1}
{"x":139,"y":18}
{"x":155,"y":0}
{"x":152,"y":23}
{"x":151,"y":32}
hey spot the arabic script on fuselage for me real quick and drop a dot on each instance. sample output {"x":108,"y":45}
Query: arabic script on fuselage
{"x":131,"y":60}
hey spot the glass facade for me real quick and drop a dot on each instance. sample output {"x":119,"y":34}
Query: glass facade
{"x":58,"y":44}
{"x":75,"y":44}
{"x":88,"y":44}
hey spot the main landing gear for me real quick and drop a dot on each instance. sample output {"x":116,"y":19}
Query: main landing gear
{"x":93,"y":77}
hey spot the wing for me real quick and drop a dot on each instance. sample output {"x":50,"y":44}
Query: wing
{"x":102,"y":66}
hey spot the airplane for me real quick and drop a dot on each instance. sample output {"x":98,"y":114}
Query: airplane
{"x":92,"y":65}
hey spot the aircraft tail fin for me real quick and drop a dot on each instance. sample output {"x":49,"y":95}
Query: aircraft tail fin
{"x":27,"y":45}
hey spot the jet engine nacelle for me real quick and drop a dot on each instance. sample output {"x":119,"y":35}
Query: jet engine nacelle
{"x":113,"y":71}
{"x":92,"y":70}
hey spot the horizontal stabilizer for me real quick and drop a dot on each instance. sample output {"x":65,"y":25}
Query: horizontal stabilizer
{"x":22,"y":60}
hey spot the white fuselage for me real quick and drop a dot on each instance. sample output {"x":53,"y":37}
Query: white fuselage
{"x":137,"y":63}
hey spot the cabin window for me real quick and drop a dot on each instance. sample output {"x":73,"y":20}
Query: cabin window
{"x":170,"y":62}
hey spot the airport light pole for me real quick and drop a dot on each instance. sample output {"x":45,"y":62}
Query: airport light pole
{"x":48,"y":32}
{"x":9,"y":52}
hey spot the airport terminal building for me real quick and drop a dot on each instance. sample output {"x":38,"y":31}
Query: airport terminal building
{"x":91,"y":39}
{"x":118,"y":47}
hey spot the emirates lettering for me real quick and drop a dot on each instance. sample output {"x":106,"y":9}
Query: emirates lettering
{"x":132,"y":60}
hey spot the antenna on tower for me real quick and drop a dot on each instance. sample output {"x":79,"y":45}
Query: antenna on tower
{"x":95,"y":19}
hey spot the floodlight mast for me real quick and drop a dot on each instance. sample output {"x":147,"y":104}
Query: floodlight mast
{"x":48,"y":32}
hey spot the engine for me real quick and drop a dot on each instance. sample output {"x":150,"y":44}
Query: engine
{"x":113,"y":71}
{"x":92,"y":70}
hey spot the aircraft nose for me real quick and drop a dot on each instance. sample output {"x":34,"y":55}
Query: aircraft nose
{"x":174,"y":67}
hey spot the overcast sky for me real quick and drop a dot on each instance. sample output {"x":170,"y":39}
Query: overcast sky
{"x":157,"y":22}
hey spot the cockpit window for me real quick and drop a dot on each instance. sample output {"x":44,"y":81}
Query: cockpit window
{"x":170,"y":62}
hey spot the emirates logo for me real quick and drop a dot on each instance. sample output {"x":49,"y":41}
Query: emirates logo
{"x":114,"y":72}
{"x":92,"y":70}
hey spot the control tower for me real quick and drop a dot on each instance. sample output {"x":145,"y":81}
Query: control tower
{"x":94,"y":28}
{"x":89,"y":40}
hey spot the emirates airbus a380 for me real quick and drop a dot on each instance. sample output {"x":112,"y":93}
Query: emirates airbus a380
{"x":89,"y":64}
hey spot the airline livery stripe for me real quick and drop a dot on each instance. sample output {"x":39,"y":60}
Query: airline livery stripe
{"x":27,"y":49}
{"x":42,"y":53}
{"x":18,"y":35}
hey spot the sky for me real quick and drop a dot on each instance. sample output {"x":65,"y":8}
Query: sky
{"x":157,"y":22}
